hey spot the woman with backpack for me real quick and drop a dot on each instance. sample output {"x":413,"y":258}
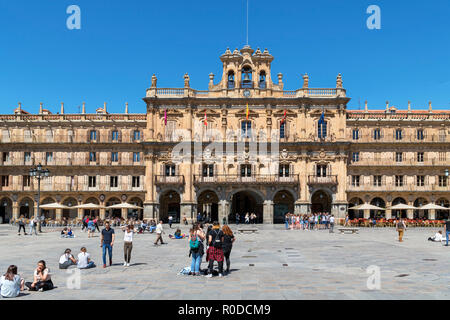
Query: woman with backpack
{"x":196,"y":237}
{"x":215,"y":250}
{"x":228,"y":240}
{"x":22,"y":225}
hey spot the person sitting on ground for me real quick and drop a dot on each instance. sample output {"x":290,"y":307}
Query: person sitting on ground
{"x":64,"y":232}
{"x":437,"y":237}
{"x":70,"y":233}
{"x":42,"y":279}
{"x":84,"y":260}
{"x":11,"y":284}
{"x":177,"y":235}
{"x":67,"y":260}
{"x":152,"y":226}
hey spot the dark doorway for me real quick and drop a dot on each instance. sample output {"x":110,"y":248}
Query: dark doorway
{"x":283,"y":204}
{"x":320,"y":202}
{"x":170,"y":206}
{"x":246,"y":202}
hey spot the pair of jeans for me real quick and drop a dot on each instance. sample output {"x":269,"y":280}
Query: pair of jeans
{"x":66,"y":264}
{"x":22,"y":226}
{"x":109,"y":248}
{"x":91,"y":264}
{"x":127,"y":247}
{"x":33,"y":228}
{"x":196,"y":261}
{"x":331,"y":227}
{"x":447,"y":232}
{"x":286,"y":223}
{"x":44,"y":285}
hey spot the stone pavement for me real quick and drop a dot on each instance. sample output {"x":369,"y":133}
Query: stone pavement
{"x":273,"y":264}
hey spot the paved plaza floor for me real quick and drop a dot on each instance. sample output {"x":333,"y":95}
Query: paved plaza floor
{"x":273,"y":264}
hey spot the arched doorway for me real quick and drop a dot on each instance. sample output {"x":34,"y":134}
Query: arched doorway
{"x":399,"y":213}
{"x":170,"y":206}
{"x":49,"y":214}
{"x":378,"y":202}
{"x":283,"y":203}
{"x":136,"y":213}
{"x":5,"y":210}
{"x":208,"y":204}
{"x":244,"y":202}
{"x":70,"y":213}
{"x":26,"y":208}
{"x":442,"y":214}
{"x":320,"y":202}
{"x":420,"y":214}
{"x":355,"y":214}
{"x":114,"y":213}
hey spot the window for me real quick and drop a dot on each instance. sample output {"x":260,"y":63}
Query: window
{"x":377,"y":181}
{"x":5,"y":156}
{"x":49,"y":156}
{"x":113,"y":181}
{"x":169,"y":170}
{"x":398,"y":134}
{"x":5,"y":181}
{"x":26,"y":181}
{"x":420,"y":135}
{"x":420,"y":156}
{"x":420,"y":181}
{"x":27,"y":156}
{"x":208,"y":170}
{"x":377,"y":134}
{"x":399,"y":181}
{"x":355,"y":181}
{"x":442,"y":156}
{"x":135,"y":182}
{"x":246,"y":170}
{"x":443,"y":181}
{"x":92,"y":156}
{"x":322,"y":130}
{"x":282,"y":130}
{"x":398,"y":157}
{"x":92,"y":181}
{"x":355,"y":156}
{"x":284,"y":170}
{"x":115,"y":135}
{"x":355,"y":134}
{"x":114,"y":156}
{"x":93,"y":135}
{"x":136,"y":157}
{"x":442,"y":136}
{"x":321,"y":170}
{"x":246,"y":129}
{"x":136,"y":135}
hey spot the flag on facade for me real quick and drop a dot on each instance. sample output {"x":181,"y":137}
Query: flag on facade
{"x":322,"y":118}
{"x":206,"y":119}
{"x":165,"y":117}
{"x":284,"y":117}
{"x":248,"y":112}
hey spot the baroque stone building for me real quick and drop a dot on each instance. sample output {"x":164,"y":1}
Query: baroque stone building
{"x":203,"y":151}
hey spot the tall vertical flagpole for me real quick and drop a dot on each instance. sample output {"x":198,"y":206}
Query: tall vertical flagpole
{"x":247,"y":22}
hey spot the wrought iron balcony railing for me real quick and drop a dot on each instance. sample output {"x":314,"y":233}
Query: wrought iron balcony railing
{"x":174,"y":180}
{"x":253,"y":179}
{"x":313,"y":179}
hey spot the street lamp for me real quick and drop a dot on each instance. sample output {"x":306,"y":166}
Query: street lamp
{"x":39,"y":173}
{"x":446,"y":172}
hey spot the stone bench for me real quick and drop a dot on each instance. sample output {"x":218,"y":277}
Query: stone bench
{"x":248,"y":230}
{"x":352,"y":230}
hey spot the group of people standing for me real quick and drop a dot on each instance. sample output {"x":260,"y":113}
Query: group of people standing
{"x":249,"y":218}
{"x":314,"y":221}
{"x":216,"y":242}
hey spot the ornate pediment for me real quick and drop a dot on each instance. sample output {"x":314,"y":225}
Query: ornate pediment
{"x":243,"y":113}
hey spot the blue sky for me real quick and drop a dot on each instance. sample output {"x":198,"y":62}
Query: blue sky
{"x":122,"y":43}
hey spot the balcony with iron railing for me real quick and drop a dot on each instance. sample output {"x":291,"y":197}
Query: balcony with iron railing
{"x":396,"y":188}
{"x":292,"y":179}
{"x":62,"y":138}
{"x":70,"y":161}
{"x":319,"y":180}
{"x":392,"y":162}
{"x":169,"y":180}
{"x":431,"y":138}
{"x":72,"y":187}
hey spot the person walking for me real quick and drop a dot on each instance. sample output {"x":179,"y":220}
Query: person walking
{"x":159,"y":232}
{"x":11,"y":283}
{"x":196,"y":237}
{"x":96,"y":224}
{"x":85,"y":223}
{"x":215,"y":249}
{"x":447,"y":230}
{"x":22,"y":225}
{"x":107,"y":242}
{"x":170,"y":222}
{"x":33,"y":225}
{"x":42,"y":280}
{"x":401,"y":227}
{"x":331,"y":223}
{"x":127,"y":244}
{"x":84,"y":260}
{"x":91,"y":228}
{"x":237,"y":218}
{"x":228,"y":240}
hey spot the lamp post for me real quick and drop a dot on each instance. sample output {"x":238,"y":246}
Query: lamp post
{"x":39,"y":173}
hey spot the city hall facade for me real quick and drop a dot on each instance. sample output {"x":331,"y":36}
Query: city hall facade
{"x":327,"y":158}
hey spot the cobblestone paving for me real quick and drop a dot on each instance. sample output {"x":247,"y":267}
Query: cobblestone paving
{"x":273,"y":264}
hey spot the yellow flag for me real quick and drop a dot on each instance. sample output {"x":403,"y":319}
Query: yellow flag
{"x":248,"y":112}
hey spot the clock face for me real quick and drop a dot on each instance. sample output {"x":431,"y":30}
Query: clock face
{"x":246,"y":93}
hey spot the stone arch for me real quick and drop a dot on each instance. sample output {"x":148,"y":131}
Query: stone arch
{"x":379,"y":202}
{"x":420,"y":214}
{"x":26,"y":207}
{"x":170,"y":205}
{"x":399,"y":213}
{"x":91,"y":212}
{"x":113,"y":213}
{"x":443,"y":214}
{"x":321,"y":201}
{"x":355,"y":214}
{"x":208,"y":204}
{"x":50,"y":214}
{"x":5,"y":210}
{"x":245,"y":200}
{"x":283,"y":203}
{"x":136,"y":213}
{"x":70,"y":213}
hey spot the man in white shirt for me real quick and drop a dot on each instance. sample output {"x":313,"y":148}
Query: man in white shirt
{"x":159,"y":232}
{"x":331,"y":223}
{"x":437,"y":237}
{"x":84,"y":260}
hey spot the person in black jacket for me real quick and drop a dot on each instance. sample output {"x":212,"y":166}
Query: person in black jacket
{"x":227,"y":245}
{"x":215,"y":251}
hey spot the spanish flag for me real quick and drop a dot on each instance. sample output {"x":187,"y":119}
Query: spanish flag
{"x":206,"y":119}
{"x":248,"y":112}
{"x":284,"y":117}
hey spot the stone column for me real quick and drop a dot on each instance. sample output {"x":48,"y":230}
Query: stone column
{"x":102,"y":211}
{"x":410,"y":212}
{"x":388,"y":212}
{"x":366,"y":214}
{"x":268,"y":212}
{"x":432,"y":214}
{"x":124,"y":213}
{"x":149,"y":211}
{"x":224,"y":207}
{"x":58,"y":215}
{"x":186,"y":210}
{"x":15,"y":210}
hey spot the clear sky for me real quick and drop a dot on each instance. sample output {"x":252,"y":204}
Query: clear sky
{"x":122,"y":43}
